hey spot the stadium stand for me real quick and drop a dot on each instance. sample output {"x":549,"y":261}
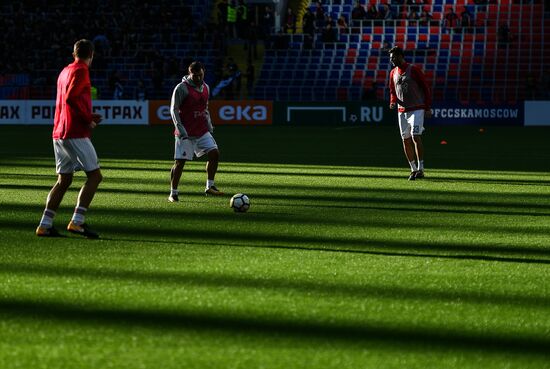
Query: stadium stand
{"x":153,"y":41}
{"x":462,"y":63}
{"x":135,"y":40}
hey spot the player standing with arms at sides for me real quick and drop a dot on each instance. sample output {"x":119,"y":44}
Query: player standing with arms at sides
{"x":410,"y":92}
{"x":193,"y":129}
{"x":73,"y":124}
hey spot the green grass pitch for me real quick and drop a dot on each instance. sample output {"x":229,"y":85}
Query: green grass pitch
{"x":340,"y":262}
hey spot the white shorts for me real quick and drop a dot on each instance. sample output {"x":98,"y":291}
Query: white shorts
{"x":74,"y":154}
{"x":411,"y":123}
{"x":184,"y":149}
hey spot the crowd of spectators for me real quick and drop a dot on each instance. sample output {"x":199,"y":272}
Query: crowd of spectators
{"x":133,"y":30}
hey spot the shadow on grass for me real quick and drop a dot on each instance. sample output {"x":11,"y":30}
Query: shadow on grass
{"x":413,"y":337}
{"x":204,"y":279}
{"x":270,"y":218}
{"x":337,"y":173}
{"x":375,"y":246}
{"x":420,"y":201}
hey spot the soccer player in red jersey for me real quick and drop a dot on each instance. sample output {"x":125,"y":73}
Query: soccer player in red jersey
{"x":193,"y":129}
{"x":410,"y":92}
{"x":73,"y":124}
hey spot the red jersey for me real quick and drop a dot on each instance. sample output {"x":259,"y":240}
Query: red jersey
{"x":408,"y":88}
{"x":193,"y":110}
{"x":73,"y":107}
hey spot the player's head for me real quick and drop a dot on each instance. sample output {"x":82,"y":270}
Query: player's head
{"x":196,"y":72}
{"x":84,"y":49}
{"x":397,"y":56}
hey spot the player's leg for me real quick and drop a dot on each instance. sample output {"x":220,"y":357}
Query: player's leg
{"x":175,"y":176}
{"x":65,"y":162}
{"x":58,"y":191}
{"x":417,"y":125}
{"x":419,"y":148}
{"x":207,"y":144}
{"x":88,"y":161}
{"x":408,"y":145}
{"x":183,"y":151}
{"x":46,"y":228}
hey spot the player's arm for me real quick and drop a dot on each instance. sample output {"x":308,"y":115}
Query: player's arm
{"x":207,"y":112}
{"x":179,"y":94}
{"x":393,"y":95}
{"x":420,"y":78}
{"x":78,"y":83}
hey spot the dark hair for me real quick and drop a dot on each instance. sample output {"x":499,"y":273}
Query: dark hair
{"x":396,"y":50}
{"x":196,"y":66}
{"x":83,"y":49}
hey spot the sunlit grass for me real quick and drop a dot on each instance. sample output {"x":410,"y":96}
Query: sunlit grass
{"x":334,"y":266}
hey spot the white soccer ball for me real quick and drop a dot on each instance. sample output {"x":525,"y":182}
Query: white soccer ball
{"x":240,"y":203}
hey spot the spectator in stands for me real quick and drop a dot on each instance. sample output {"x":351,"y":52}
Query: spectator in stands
{"x":252,"y":41}
{"x":308,"y":41}
{"x":268,"y":21}
{"x":308,"y":22}
{"x":467,"y":20}
{"x":119,"y":91}
{"x":411,"y":94}
{"x":234,"y":90}
{"x":482,"y":4}
{"x":450,"y":21}
{"x":329,"y":34}
{"x":319,"y":15}
{"x":358,"y":12}
{"x":199,"y":36}
{"x":372,"y":12}
{"x":504,"y":36}
{"x":370,"y":92}
{"x":114,"y":81}
{"x":290,"y":21}
{"x":102,"y":44}
{"x":232,"y":19}
{"x":342,"y":25}
{"x":385,"y":12}
{"x":172,"y":68}
{"x":425,"y":17}
{"x":222,"y":13}
{"x":330,"y":20}
{"x":242,"y":19}
{"x":140,"y":92}
{"x":413,"y":17}
{"x":404,"y":14}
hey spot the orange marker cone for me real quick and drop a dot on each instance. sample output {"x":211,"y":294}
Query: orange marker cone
{"x":443,"y":142}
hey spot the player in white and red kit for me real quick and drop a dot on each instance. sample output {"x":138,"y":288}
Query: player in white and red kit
{"x":409,"y":91}
{"x":73,"y":124}
{"x":193,"y":129}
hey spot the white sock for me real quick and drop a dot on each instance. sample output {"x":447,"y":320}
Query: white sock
{"x":47,"y":218}
{"x":413,"y":166}
{"x":209,"y":183}
{"x":421,"y":165}
{"x":174,"y":191}
{"x":78,"y":215}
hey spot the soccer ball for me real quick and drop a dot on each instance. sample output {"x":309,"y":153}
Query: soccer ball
{"x":240,"y":203}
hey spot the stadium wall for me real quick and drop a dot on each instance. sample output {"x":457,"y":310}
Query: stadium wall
{"x":258,"y":112}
